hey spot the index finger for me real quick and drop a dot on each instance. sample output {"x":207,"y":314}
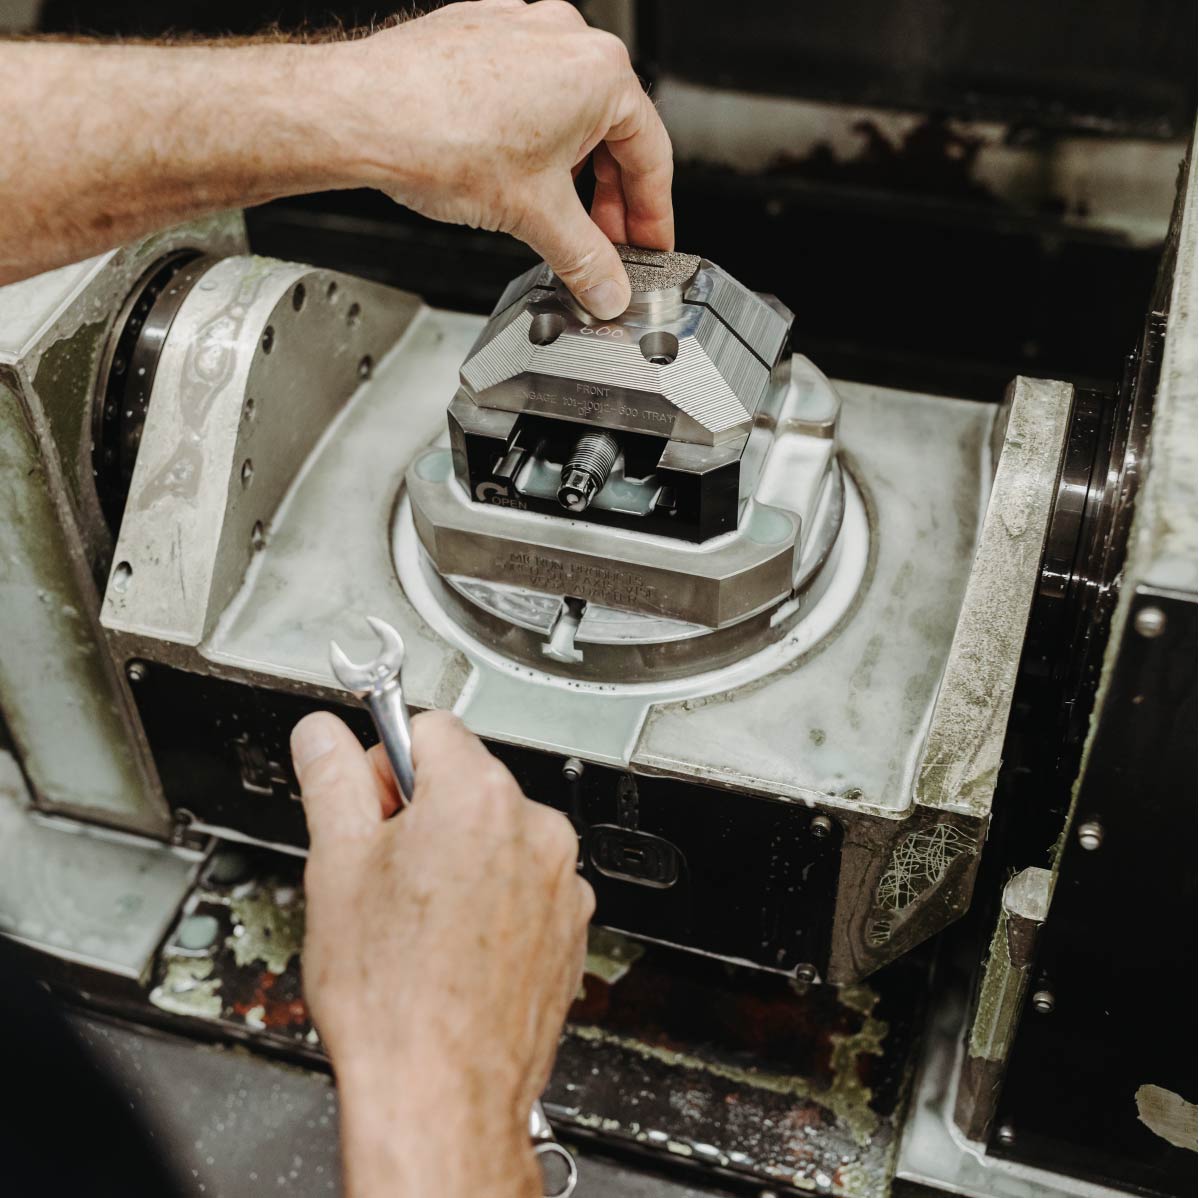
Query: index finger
{"x":641,"y":146}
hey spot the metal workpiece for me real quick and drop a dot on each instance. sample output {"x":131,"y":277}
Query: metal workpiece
{"x":691,"y":359}
{"x":54,"y":672}
{"x":259,"y":359}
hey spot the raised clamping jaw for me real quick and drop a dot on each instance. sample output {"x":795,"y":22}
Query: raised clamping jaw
{"x":639,"y":422}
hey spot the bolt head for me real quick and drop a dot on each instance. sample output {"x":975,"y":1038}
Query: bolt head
{"x":806,"y":973}
{"x":1043,"y":1002}
{"x":136,"y":671}
{"x":821,"y":827}
{"x":1006,"y":1134}
{"x":572,"y":769}
{"x":1090,"y":835}
{"x":1150,"y":622}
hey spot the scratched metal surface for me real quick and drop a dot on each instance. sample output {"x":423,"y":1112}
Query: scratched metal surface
{"x":748,"y":1077}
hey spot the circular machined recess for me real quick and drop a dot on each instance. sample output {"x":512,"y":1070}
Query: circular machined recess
{"x":659,"y":347}
{"x":628,"y":648}
{"x":546,"y":328}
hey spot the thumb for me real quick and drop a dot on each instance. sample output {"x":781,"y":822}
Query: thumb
{"x":559,"y":229}
{"x":338,"y":784}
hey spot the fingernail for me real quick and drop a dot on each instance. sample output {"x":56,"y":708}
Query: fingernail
{"x":606,"y":300}
{"x":310,"y":739}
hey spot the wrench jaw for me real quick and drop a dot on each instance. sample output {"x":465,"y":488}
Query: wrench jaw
{"x":376,"y":673}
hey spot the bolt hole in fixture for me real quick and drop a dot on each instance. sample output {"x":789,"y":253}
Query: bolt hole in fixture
{"x":247,"y":472}
{"x":121,"y":576}
{"x":257,"y":536}
{"x":268,"y":339}
{"x":298,"y":296}
{"x":587,"y":470}
{"x":331,"y":292}
{"x":546,"y":328}
{"x":247,"y":412}
{"x":365,"y":366}
{"x":353,"y":313}
{"x":659,"y":347}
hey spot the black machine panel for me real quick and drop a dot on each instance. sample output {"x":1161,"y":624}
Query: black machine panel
{"x":741,"y":876}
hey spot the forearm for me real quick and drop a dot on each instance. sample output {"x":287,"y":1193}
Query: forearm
{"x":103,"y":143}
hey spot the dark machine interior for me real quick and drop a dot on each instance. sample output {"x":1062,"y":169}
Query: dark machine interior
{"x":915,"y":255}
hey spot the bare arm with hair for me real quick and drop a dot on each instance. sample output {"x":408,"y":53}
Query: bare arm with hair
{"x":477,"y":114}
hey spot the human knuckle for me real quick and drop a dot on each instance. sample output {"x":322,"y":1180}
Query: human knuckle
{"x":496,"y":782}
{"x":610,"y":49}
{"x":556,"y":836}
{"x":561,"y":9}
{"x":580,"y":266}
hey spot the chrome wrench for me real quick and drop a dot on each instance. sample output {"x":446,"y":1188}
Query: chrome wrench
{"x":377,"y":682}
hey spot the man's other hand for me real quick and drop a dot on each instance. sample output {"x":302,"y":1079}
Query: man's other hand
{"x":482,"y":112}
{"x":442,"y":952}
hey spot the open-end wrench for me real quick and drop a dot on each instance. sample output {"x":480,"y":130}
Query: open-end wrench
{"x":378,"y":683}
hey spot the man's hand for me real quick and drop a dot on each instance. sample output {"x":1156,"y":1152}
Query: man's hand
{"x":479,"y":113}
{"x":443,"y":950}
{"x":513,"y":98}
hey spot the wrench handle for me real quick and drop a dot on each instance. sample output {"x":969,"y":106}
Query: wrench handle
{"x":390,"y":714}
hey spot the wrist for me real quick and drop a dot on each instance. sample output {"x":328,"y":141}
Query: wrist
{"x":416,"y":1130}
